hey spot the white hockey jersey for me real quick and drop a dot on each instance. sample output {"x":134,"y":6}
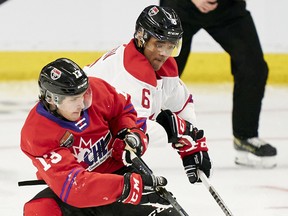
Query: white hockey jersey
{"x":128,"y":70}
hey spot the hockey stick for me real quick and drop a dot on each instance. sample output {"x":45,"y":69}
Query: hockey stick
{"x":31,"y":182}
{"x":214,"y":193}
{"x":142,"y":167}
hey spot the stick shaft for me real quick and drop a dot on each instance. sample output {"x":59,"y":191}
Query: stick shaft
{"x":214,"y":193}
{"x":31,"y":182}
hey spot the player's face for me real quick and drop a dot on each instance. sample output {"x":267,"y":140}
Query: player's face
{"x":157,"y":52}
{"x":72,"y":106}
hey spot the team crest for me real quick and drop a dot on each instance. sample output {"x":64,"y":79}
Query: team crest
{"x":153,"y":11}
{"x":55,"y":74}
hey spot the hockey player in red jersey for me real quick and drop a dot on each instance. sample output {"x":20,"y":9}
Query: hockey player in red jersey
{"x":75,"y":137}
{"x":145,"y":68}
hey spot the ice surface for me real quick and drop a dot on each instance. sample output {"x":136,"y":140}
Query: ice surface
{"x":246,"y":191}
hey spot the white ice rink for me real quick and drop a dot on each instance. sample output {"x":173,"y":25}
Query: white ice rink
{"x":246,"y":191}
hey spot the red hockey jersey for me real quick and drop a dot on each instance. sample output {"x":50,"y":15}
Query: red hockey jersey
{"x":74,"y":158}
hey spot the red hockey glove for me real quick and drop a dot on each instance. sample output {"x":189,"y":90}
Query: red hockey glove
{"x":135,"y":138}
{"x":138,"y":188}
{"x":189,"y":142}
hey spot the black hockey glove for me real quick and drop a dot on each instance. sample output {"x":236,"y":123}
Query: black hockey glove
{"x":199,"y":160}
{"x":135,"y":138}
{"x":153,"y":197}
{"x":149,"y":194}
{"x":139,"y":189}
{"x":176,"y":127}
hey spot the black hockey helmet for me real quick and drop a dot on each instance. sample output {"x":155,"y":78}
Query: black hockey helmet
{"x":160,"y":22}
{"x":62,"y":77}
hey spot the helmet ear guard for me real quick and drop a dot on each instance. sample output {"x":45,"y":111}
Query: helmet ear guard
{"x":48,"y":97}
{"x":141,"y":37}
{"x":138,"y":36}
{"x":45,"y":95}
{"x":53,"y":98}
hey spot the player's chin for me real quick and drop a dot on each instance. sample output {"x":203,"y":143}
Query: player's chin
{"x":157,"y":64}
{"x":74,"y":116}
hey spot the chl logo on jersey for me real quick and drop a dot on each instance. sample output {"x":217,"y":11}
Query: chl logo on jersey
{"x":93,"y":154}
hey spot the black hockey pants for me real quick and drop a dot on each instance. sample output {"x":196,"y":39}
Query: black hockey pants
{"x":114,"y":209}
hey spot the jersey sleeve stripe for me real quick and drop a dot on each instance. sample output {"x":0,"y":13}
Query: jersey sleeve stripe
{"x":130,"y":108}
{"x":69,"y":182}
{"x":141,"y":122}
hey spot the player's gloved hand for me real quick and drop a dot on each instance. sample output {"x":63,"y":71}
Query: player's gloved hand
{"x":135,"y":138}
{"x":153,"y":197}
{"x":199,"y":160}
{"x":194,"y":156}
{"x":139,"y":188}
{"x":189,"y":142}
{"x":175,"y":127}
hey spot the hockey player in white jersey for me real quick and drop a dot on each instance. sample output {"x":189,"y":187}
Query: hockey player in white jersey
{"x":145,"y":69}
